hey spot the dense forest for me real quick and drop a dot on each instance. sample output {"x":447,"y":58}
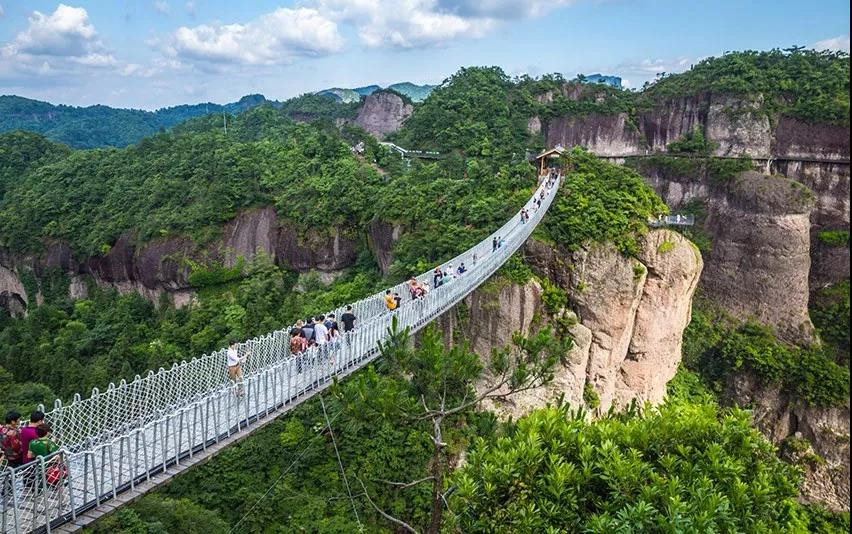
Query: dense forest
{"x":694,"y":464}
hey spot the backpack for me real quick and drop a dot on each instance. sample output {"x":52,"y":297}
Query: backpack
{"x":296,"y":345}
{"x":11,"y":444}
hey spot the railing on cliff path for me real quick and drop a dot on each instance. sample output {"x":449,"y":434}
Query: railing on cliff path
{"x":117,"y":439}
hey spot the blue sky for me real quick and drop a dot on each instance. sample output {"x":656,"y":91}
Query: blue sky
{"x":155,"y":53}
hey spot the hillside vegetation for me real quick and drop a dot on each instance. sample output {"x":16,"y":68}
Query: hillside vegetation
{"x":690,"y":465}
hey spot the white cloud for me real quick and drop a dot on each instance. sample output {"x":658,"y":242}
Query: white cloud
{"x":55,"y":43}
{"x":839,"y":43}
{"x":277,"y":37}
{"x":162,"y":7}
{"x":419,"y":23}
{"x":65,"y":32}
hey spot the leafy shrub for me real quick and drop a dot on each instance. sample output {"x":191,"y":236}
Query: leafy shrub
{"x":665,"y":246}
{"x":829,"y":311}
{"x":601,"y":202}
{"x":553,"y":297}
{"x":215,"y":274}
{"x":692,"y":142}
{"x":591,"y":397}
{"x":834,"y":238}
{"x":805,"y":372}
{"x":683,"y":467}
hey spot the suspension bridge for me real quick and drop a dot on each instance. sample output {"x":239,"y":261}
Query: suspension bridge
{"x":120,"y":443}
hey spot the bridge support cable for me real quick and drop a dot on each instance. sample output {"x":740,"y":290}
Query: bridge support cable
{"x":125,"y":436}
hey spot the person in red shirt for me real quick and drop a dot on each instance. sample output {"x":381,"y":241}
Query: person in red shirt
{"x":10,"y":440}
{"x":29,"y":432}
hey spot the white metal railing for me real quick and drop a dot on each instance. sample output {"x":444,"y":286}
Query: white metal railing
{"x":672,"y":220}
{"x":118,"y":438}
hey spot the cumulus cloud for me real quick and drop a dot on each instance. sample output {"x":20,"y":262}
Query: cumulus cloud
{"x":839,"y":43}
{"x":56,"y":41}
{"x":419,"y":23}
{"x":651,"y":67}
{"x":277,"y":37}
{"x":162,"y":7}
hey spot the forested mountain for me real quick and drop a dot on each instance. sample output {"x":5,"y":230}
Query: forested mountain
{"x":103,"y":126}
{"x":695,"y":462}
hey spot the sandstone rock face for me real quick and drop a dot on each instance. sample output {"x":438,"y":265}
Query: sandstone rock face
{"x":630,"y":317}
{"x":738,"y":127}
{"x":381,"y":237}
{"x":760,"y":259}
{"x":160,"y":265}
{"x":534,"y":125}
{"x":664,"y":311}
{"x":13,"y":295}
{"x":382,"y":113}
{"x":606,"y":294}
{"x":605,"y":135}
{"x":826,"y":429}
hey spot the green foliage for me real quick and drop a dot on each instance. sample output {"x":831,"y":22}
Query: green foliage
{"x":693,"y":142}
{"x":829,"y":311}
{"x":216,"y":274}
{"x":554,"y":298}
{"x":821,"y":521}
{"x":156,"y":514}
{"x":807,"y":84}
{"x":720,"y":347}
{"x":806,"y":372}
{"x":190,"y":182}
{"x":22,"y":151}
{"x":474,"y":112}
{"x":64,"y":347}
{"x":516,"y":270}
{"x":684,"y":467}
{"x":638,"y":271}
{"x":687,"y":387}
{"x":834,"y":238}
{"x":665,"y":246}
{"x":102,"y":126}
{"x":600,"y":202}
{"x":690,"y":169}
{"x":591,"y":397}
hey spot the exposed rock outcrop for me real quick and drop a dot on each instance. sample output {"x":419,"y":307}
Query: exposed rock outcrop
{"x":760,"y":259}
{"x":627,"y":330}
{"x":383,"y":112}
{"x":160,"y":266}
{"x":780,"y":418}
{"x":381,"y":237}
{"x":605,"y":135}
{"x":664,"y":311}
{"x":737,"y":126}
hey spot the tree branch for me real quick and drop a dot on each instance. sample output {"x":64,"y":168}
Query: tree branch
{"x":405,"y":485}
{"x":384,"y":514}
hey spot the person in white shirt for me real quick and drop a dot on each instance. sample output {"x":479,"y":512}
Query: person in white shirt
{"x":235,"y":365}
{"x":320,"y":331}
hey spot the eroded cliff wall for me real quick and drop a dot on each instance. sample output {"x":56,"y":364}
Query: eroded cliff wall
{"x":627,"y":317}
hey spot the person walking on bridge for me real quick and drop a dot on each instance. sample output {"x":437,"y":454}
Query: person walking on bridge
{"x":10,"y":440}
{"x":235,"y":366}
{"x":390,"y":302}
{"x":348,"y":319}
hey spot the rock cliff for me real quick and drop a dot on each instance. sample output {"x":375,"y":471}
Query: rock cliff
{"x":736,"y":126}
{"x":826,"y":430}
{"x":760,"y":258}
{"x":383,"y":112}
{"x":160,"y":266}
{"x":627,"y":317}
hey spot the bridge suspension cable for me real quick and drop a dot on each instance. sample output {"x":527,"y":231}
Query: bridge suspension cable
{"x":122,"y":442}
